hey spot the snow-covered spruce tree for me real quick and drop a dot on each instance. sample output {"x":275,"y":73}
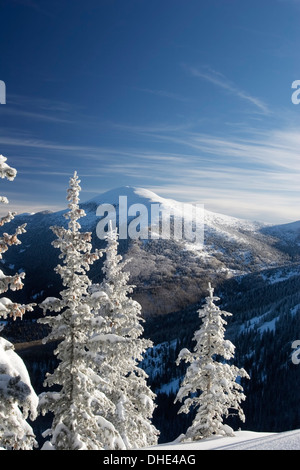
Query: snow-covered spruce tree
{"x":211,"y":383}
{"x":75,"y":425}
{"x":17,"y":398}
{"x":126,"y":382}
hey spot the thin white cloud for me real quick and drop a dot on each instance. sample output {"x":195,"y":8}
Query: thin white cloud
{"x":36,"y":115}
{"x":222,"y":82}
{"x":278,"y":149}
{"x":42,"y":109}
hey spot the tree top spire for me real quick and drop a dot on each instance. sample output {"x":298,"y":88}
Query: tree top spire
{"x":210,"y":290}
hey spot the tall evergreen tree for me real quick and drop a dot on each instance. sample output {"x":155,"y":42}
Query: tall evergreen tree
{"x":79,"y":407}
{"x":17,"y":398}
{"x":127,"y":382}
{"x":211,"y":383}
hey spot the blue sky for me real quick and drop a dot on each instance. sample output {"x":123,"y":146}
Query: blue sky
{"x":188,"y":98}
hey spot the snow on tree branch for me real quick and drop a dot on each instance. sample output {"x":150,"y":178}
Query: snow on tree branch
{"x":6,"y":171}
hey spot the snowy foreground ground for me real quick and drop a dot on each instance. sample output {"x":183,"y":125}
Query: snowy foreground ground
{"x":243,"y":440}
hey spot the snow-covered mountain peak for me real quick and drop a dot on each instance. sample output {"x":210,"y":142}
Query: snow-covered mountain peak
{"x":138,"y":195}
{"x":135,"y":195}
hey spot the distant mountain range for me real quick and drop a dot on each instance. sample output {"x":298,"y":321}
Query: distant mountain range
{"x":169,"y":274}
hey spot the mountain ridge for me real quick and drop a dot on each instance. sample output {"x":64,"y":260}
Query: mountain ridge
{"x":168,"y":274}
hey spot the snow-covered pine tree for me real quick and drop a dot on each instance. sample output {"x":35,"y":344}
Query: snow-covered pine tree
{"x":17,"y":398}
{"x":211,"y":383}
{"x":127,"y":383}
{"x":75,"y":425}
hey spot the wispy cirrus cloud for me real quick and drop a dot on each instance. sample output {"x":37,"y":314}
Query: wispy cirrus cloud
{"x":41,"y":109}
{"x":249,"y":170}
{"x":219,"y":80}
{"x":273,"y":148}
{"x":276,"y":150}
{"x":36,"y":116}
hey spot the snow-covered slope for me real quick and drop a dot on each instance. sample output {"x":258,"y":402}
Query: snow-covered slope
{"x":289,"y":230}
{"x":288,"y":236}
{"x":243,"y":440}
{"x":169,"y":273}
{"x":226,"y":226}
{"x":241,"y":239}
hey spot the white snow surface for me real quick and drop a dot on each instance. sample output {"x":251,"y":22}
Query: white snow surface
{"x":242,"y":440}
